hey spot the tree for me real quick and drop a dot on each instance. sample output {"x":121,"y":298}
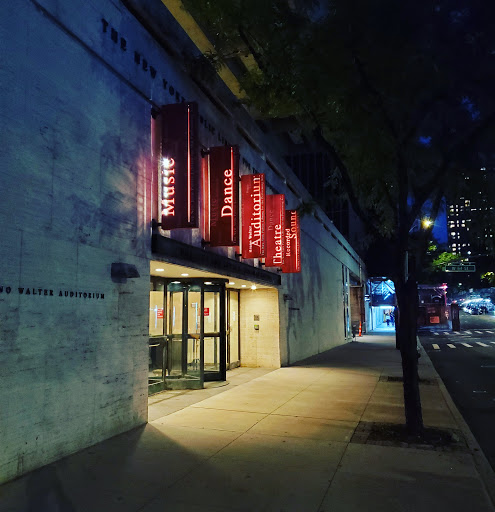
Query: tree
{"x":400,"y":94}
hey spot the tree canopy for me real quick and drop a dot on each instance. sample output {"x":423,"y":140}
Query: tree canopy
{"x":401,"y":93}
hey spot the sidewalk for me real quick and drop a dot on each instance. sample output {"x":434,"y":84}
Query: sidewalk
{"x":292,"y":439}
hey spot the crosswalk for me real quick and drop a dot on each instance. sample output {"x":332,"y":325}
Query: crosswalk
{"x":460,"y":333}
{"x":472,"y":338}
{"x":436,"y":346}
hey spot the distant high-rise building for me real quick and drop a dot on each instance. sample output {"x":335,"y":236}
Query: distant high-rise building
{"x":470,"y":215}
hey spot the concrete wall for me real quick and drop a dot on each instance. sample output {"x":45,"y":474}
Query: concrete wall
{"x":260,"y":347}
{"x":73,"y":352}
{"x":312,"y":310}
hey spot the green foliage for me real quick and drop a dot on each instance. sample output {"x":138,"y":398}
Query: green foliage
{"x":433,"y":264}
{"x":489,"y":278}
{"x":443,"y":259}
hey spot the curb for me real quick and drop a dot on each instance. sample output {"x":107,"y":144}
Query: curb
{"x":483,"y":467}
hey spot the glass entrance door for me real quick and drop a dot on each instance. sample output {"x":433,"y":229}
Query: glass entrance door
{"x":196,"y":346}
{"x":214,"y":332}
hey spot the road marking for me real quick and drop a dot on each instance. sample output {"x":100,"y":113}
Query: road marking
{"x":446,"y":332}
{"x":435,"y":334}
{"x":478,"y":332}
{"x":435,"y":346}
{"x":489,"y":332}
{"x":488,"y":366}
{"x":479,"y":391}
{"x":450,"y":345}
{"x":466,"y":345}
{"x":482,"y":344}
{"x":467,"y":332}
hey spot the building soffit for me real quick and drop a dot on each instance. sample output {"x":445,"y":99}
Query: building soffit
{"x":179,"y":253}
{"x":198,"y":37}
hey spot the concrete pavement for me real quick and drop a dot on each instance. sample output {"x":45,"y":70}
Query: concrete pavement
{"x":291,"y":439}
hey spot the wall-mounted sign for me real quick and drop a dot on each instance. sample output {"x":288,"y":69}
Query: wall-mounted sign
{"x":46,"y":292}
{"x":179,"y":166}
{"x":275,"y":230}
{"x":253,"y":215}
{"x":207,"y":312}
{"x":224,"y":196}
{"x":292,"y":248}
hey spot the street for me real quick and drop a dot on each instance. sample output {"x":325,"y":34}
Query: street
{"x":465,"y":361}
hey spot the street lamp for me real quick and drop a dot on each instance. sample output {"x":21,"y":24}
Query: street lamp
{"x":426,"y":222}
{"x":418,"y":224}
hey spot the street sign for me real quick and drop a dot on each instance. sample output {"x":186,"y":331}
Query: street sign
{"x":457,"y":267}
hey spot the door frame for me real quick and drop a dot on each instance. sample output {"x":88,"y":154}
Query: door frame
{"x":218,"y":285}
{"x":228,"y":317}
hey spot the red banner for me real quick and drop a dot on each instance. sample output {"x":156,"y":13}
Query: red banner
{"x":179,"y":168}
{"x":292,"y":252}
{"x":275,"y":230}
{"x":253,"y":215}
{"x":224,"y":196}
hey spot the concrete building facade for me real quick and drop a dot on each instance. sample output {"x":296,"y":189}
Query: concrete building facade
{"x":88,"y":277}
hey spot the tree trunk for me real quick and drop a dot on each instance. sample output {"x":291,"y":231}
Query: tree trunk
{"x":407,"y":299}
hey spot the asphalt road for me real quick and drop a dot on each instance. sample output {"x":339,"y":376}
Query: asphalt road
{"x":465,"y":362}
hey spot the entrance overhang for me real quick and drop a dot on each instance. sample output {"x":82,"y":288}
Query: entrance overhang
{"x":208,"y":264}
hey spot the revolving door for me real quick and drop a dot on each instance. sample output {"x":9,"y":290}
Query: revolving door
{"x":195,"y":334}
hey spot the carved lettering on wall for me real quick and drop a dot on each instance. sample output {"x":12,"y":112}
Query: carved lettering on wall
{"x":47,"y":292}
